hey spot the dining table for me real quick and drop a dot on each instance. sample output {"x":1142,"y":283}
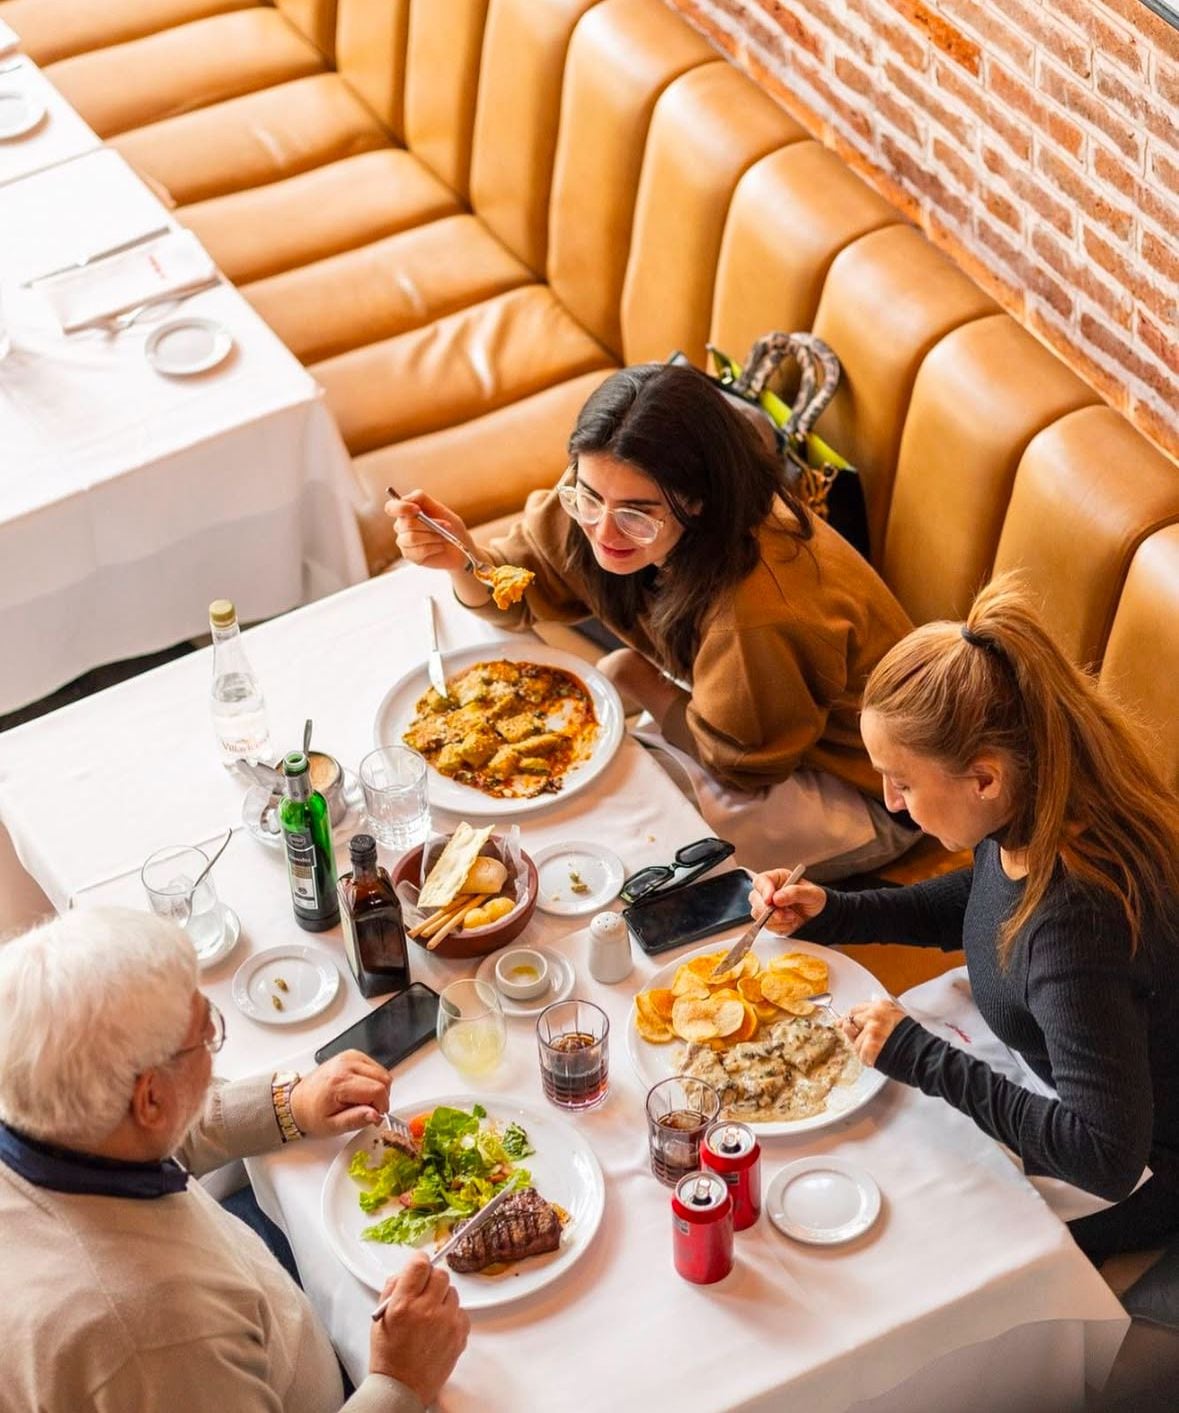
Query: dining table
{"x":159,"y":446}
{"x":38,"y":127}
{"x":967,"y":1292}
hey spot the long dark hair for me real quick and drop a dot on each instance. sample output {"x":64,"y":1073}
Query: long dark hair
{"x":720,"y":480}
{"x":1088,"y":798}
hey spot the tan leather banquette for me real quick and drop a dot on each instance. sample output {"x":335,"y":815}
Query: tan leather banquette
{"x":461,"y":213}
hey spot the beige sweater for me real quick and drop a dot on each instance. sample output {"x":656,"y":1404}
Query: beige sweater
{"x":781,"y":664}
{"x":128,"y":1305}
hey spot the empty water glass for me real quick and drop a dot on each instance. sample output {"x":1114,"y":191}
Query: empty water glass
{"x":394,"y":783}
{"x":168,"y":878}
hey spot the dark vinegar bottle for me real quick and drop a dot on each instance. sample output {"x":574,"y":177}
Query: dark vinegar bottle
{"x":370,"y":915}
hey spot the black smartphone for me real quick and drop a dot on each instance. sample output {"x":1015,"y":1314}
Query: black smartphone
{"x":668,"y":920}
{"x":391,"y":1031}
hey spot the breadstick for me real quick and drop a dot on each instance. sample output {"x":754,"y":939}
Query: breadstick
{"x":439,"y":916}
{"x":455,"y":920}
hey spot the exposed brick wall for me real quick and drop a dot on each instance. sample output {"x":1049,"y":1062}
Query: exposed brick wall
{"x":1036,"y":140}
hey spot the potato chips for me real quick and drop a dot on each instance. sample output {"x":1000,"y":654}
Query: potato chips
{"x":725,"y":1010}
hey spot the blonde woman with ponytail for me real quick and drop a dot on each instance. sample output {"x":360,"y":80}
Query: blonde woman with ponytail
{"x":996,"y":743}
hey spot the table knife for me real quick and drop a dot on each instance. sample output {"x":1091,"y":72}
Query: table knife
{"x":99,"y":255}
{"x":480,"y":1219}
{"x":434,"y":662}
{"x":747,"y":938}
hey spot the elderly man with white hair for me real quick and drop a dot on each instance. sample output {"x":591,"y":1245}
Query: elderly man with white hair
{"x":124,"y":1285}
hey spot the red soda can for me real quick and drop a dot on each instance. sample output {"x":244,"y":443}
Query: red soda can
{"x":702,"y":1228}
{"x":731,"y":1151}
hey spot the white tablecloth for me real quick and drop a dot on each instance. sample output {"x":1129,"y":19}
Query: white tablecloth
{"x":60,"y":134}
{"x":129,"y":500}
{"x":968,"y":1294}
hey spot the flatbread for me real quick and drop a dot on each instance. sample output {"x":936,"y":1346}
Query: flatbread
{"x":445,"y":880}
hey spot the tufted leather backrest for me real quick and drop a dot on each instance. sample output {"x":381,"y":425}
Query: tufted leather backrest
{"x":524,"y":49}
{"x":708,"y":128}
{"x":624,"y":53}
{"x":1089,"y":490}
{"x":981,"y":394}
{"x":889,"y":297}
{"x":371,"y":38}
{"x":314,"y":18}
{"x":1141,"y":666}
{"x":444,"y":50}
{"x":790,"y":215}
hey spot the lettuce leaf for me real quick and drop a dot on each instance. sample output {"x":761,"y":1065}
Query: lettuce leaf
{"x":395,"y":1172}
{"x":515,"y":1142}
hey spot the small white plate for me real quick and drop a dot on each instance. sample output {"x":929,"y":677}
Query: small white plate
{"x":20,"y":112}
{"x":598,"y":868}
{"x":189,"y":345}
{"x":562,"y":979}
{"x":312,"y":981}
{"x":823,"y":1201}
{"x":229,"y":940}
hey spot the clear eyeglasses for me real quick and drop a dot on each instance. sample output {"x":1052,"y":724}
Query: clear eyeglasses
{"x":212,"y":1043}
{"x":584,"y":507}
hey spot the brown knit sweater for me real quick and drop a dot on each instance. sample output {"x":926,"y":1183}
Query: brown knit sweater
{"x":782,"y":661}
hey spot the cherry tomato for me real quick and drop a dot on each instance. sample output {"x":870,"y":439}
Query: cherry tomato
{"x":417,"y":1125}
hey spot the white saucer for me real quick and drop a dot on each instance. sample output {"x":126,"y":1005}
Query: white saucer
{"x":823,"y":1201}
{"x":188,"y":345}
{"x":20,"y":112}
{"x":229,"y":940}
{"x":562,"y":979}
{"x":595,"y":866}
{"x":311,"y":976}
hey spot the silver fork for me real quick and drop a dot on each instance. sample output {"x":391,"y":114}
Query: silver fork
{"x":476,"y":566}
{"x":400,"y":1127}
{"x":823,"y":998}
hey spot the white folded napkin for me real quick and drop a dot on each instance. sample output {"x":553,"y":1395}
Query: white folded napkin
{"x":9,"y":39}
{"x":171,"y":264}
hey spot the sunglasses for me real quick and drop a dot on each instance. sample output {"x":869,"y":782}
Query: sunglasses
{"x":690,"y":861}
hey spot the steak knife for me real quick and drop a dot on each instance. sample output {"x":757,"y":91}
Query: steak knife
{"x":434,"y":662}
{"x":737,"y":952}
{"x":480,"y":1219}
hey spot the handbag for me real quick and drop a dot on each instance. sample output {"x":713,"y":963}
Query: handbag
{"x":826,"y":483}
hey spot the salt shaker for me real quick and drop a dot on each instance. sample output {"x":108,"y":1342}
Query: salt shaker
{"x":609,"y":957}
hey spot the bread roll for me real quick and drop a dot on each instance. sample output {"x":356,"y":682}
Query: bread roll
{"x":486,"y":876}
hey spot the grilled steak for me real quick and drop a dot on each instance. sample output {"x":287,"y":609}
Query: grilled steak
{"x":526,"y":1225}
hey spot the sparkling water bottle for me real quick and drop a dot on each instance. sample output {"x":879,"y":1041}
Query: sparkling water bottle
{"x":235,"y":698}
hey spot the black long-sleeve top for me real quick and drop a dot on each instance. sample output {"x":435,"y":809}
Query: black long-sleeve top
{"x":1094,"y":1021}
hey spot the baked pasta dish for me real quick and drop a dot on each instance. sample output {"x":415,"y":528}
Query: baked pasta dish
{"x":510,"y":729}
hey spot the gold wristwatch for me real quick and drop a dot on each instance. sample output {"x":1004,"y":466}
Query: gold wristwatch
{"x":280,"y":1095}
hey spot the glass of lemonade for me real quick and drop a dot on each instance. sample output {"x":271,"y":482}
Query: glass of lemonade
{"x":168,"y":877}
{"x":471,"y":1029}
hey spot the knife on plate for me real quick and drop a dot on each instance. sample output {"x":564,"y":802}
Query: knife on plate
{"x":434,"y":662}
{"x":480,"y":1219}
{"x":743,"y":943}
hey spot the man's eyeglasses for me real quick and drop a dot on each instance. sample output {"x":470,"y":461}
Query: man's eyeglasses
{"x":212,"y":1043}
{"x":584,"y":507}
{"x":691,"y":861}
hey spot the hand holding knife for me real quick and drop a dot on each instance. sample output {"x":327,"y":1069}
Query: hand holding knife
{"x":480,"y":1219}
{"x":737,"y":952}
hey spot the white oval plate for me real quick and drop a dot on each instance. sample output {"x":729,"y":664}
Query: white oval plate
{"x":188,"y":345}
{"x":823,"y":1201}
{"x":564,"y":1172}
{"x":20,"y":112}
{"x":849,"y":984}
{"x":562,"y":979}
{"x":310,"y":974}
{"x":595,"y":866}
{"x":396,"y":712}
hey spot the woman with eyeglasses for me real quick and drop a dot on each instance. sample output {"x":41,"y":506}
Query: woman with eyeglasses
{"x":751,"y":627}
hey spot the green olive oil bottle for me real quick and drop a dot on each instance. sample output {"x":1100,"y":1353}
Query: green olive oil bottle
{"x":311,"y":859}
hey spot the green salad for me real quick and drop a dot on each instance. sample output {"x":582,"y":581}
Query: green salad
{"x":464,"y":1162}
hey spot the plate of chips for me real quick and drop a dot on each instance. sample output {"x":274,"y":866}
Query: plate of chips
{"x":686,"y":1003}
